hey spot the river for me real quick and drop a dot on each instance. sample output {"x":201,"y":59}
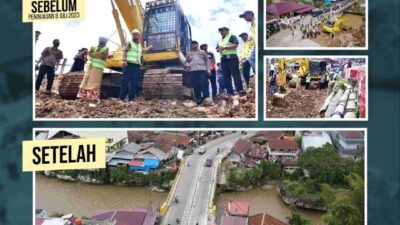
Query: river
{"x":355,"y":21}
{"x":267,"y":201}
{"x":82,"y":199}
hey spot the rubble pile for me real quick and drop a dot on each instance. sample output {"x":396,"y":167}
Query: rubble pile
{"x":53,"y":106}
{"x":298,"y":103}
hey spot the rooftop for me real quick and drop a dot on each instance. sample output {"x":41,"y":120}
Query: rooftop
{"x":264,"y":219}
{"x":284,"y":145}
{"x":237,"y":208}
{"x":280,"y":8}
{"x":233,"y":220}
{"x":352,"y":134}
{"x":315,"y":139}
{"x":242,"y":146}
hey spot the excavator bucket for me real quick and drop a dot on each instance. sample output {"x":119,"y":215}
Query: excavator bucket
{"x":168,"y":83}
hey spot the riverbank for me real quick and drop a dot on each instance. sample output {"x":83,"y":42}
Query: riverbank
{"x":82,"y":199}
{"x":267,"y":200}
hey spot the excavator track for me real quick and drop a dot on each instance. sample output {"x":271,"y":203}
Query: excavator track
{"x":69,"y":85}
{"x":167,"y":83}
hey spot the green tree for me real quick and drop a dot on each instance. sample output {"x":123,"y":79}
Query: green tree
{"x":325,"y":165}
{"x":296,"y":219}
{"x":350,"y":208}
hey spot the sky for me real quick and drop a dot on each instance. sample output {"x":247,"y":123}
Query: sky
{"x":205,"y":17}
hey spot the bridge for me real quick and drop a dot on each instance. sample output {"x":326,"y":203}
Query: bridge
{"x":195,"y":185}
{"x":342,"y":8}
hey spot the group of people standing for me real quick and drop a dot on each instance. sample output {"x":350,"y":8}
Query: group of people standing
{"x":203,"y":69}
{"x":200,"y":64}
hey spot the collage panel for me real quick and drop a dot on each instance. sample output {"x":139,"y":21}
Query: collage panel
{"x":314,"y":25}
{"x":325,"y":88}
{"x":209,"y":176}
{"x":146,"y":60}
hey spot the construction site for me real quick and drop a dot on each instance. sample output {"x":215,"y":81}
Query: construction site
{"x":338,"y":24}
{"x":330,"y":88}
{"x":165,"y":88}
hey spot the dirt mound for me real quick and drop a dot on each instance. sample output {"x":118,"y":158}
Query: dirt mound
{"x":298,"y":103}
{"x":53,"y":106}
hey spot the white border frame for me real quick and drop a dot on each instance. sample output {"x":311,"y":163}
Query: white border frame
{"x":318,"y":119}
{"x":34,"y":118}
{"x":318,"y":48}
{"x":223,"y":129}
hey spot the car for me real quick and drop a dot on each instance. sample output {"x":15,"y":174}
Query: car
{"x":208,"y":162}
{"x":202,"y":151}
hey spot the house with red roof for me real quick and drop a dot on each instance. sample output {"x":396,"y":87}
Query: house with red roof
{"x":233,"y":220}
{"x":137,"y":216}
{"x":138,"y":136}
{"x":264,"y":219}
{"x":285,"y":151}
{"x":239,"y":152}
{"x":255,"y":156}
{"x":287,"y":9}
{"x":237,"y":208}
{"x":262,"y":137}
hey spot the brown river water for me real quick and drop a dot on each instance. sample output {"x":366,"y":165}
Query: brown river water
{"x":354,"y":21}
{"x":82,"y":199}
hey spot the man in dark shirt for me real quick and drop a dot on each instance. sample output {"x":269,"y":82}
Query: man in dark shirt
{"x":227,"y":47}
{"x":49,"y":61}
{"x":79,"y":60}
{"x":212,"y":78}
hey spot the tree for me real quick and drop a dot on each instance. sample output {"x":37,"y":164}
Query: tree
{"x":325,"y":165}
{"x":296,"y":219}
{"x":350,"y":208}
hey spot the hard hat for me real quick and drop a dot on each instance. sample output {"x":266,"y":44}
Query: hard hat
{"x":135,"y":31}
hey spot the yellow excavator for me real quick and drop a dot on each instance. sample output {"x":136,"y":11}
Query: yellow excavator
{"x":165,"y":27}
{"x":334,"y":26}
{"x":302,"y":67}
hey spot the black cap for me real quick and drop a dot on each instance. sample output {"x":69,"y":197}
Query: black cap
{"x":194,"y":42}
{"x":243,"y":34}
{"x":223,"y":28}
{"x":246,"y":13}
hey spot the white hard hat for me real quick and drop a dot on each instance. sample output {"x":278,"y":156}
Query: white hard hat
{"x":135,"y":31}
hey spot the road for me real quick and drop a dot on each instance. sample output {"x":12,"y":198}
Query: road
{"x":194,"y":186}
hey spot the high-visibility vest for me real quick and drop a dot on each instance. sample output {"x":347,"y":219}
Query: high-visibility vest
{"x":253,"y":31}
{"x":96,"y":62}
{"x":225,"y":42}
{"x":246,"y":49}
{"x":134,"y":53}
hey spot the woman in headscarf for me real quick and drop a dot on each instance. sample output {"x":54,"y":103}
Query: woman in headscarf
{"x":90,"y":86}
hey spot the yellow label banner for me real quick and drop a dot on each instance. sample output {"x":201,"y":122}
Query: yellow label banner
{"x":53,"y":10}
{"x":64,"y":154}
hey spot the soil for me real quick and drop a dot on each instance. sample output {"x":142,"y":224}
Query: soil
{"x":344,"y":38}
{"x":53,"y":106}
{"x":299,"y":103}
